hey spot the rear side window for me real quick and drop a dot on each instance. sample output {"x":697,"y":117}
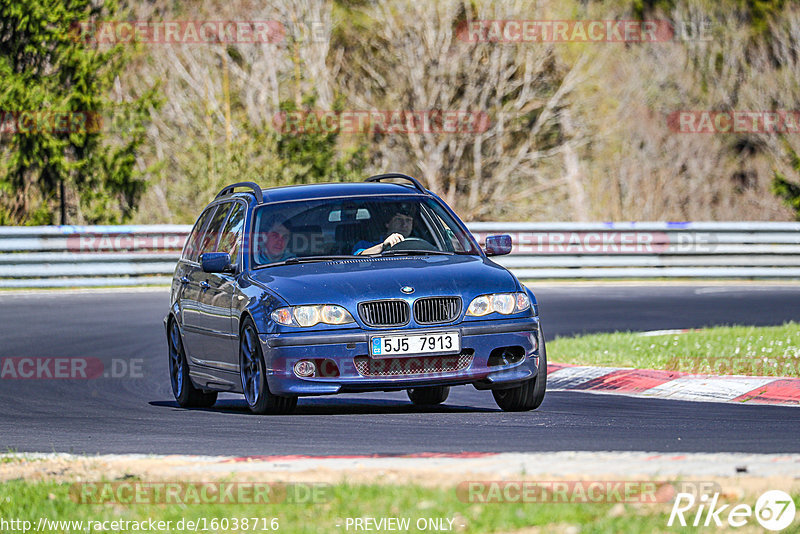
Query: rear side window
{"x":232,"y":232}
{"x":192,"y":249}
{"x":209,"y":242}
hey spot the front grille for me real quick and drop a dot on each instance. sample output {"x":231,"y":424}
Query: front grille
{"x":433,"y":310}
{"x":421,"y":365}
{"x":384,"y":312}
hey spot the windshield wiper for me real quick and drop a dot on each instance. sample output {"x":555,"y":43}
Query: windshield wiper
{"x":313,"y":259}
{"x":309,"y":259}
{"x":416,"y":252}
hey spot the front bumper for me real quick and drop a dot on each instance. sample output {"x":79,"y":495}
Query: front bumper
{"x":345,"y":348}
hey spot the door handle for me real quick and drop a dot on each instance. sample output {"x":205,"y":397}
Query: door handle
{"x":203,"y":285}
{"x":184,"y":280}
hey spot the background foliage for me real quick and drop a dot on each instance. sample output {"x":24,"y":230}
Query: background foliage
{"x":84,"y":174}
{"x":578,"y":131}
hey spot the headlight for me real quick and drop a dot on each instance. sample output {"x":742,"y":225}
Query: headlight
{"x":480,"y":306}
{"x":335,"y":315}
{"x":282,"y":316}
{"x":311,"y":315}
{"x":502,"y":303}
{"x":306,"y":315}
{"x":523,"y":302}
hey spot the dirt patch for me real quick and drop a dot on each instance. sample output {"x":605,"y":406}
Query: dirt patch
{"x":424,"y":472}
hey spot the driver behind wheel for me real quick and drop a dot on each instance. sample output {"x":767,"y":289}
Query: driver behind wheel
{"x":398,"y":228}
{"x":272,"y":244}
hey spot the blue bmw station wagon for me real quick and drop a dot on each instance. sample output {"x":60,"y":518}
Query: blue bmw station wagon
{"x":347,"y":287}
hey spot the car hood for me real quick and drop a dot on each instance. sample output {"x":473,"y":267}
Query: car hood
{"x":353,"y":280}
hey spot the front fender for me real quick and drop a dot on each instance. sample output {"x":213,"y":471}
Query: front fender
{"x":258,"y":302}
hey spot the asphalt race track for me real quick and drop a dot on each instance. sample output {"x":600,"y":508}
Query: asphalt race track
{"x":139,"y":415}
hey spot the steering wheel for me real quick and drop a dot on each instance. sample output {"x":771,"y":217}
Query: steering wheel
{"x":413,"y":243}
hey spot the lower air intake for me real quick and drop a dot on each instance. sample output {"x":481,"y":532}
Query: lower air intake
{"x":422,"y":365}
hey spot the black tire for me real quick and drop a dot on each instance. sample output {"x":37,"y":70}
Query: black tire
{"x":254,"y":378}
{"x":187,"y":395}
{"x":428,"y":396}
{"x":530,"y":394}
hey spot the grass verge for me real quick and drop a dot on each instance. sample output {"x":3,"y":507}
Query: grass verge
{"x":728,"y":350}
{"x":30,"y":501}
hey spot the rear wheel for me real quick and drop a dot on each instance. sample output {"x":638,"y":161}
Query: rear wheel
{"x":428,"y":396}
{"x":185,"y":393}
{"x":254,"y":377}
{"x":528,"y":395}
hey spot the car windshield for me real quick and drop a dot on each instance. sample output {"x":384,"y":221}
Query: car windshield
{"x":331,"y":227}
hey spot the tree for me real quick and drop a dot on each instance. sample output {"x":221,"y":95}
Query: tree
{"x":62,"y":160}
{"x":787,"y":190}
{"x":416,"y":56}
{"x":219,"y":124}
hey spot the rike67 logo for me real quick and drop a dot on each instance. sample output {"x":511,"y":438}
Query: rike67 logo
{"x":774,"y":511}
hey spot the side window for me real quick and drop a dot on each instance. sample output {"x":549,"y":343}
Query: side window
{"x":209,"y":243}
{"x":230,"y":239}
{"x":451,"y":242}
{"x":191,"y":250}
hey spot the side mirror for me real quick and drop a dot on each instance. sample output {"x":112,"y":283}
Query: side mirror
{"x":498,"y":245}
{"x":216,"y":262}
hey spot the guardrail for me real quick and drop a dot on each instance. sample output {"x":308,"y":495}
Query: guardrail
{"x":81,"y":256}
{"x":86,"y":256}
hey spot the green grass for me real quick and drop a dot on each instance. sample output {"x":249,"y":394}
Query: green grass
{"x":30,"y":501}
{"x":10,"y":457}
{"x":739,"y":350}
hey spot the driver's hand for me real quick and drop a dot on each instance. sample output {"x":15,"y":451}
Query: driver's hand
{"x":392,"y":240}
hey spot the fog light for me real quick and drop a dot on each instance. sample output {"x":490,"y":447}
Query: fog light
{"x":304,"y":368}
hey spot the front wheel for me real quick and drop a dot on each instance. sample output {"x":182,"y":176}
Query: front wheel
{"x":185,"y":393}
{"x":428,"y":396}
{"x":530,"y":394}
{"x":254,"y":377}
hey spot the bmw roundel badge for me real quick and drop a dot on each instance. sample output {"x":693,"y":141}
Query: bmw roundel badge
{"x":407,"y":290}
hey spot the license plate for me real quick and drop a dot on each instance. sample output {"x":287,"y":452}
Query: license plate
{"x":432,"y":343}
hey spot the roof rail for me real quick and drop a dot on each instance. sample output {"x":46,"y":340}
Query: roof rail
{"x":228,"y":189}
{"x":380,"y":177}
